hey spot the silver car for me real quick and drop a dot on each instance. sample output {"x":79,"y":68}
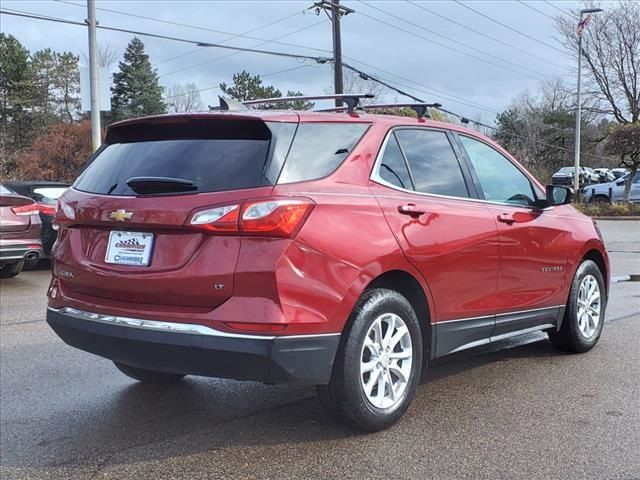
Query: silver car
{"x":613,"y":191}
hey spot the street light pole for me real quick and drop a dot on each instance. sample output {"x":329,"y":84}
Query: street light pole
{"x":96,"y":135}
{"x":576,"y":159}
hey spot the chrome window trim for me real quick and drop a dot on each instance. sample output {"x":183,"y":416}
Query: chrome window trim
{"x":169,"y":327}
{"x":375,"y":177}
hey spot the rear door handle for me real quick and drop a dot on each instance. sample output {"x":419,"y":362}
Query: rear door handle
{"x":411,"y":209}
{"x":506,"y":218}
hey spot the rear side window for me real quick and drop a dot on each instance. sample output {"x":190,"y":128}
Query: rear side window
{"x":214,"y":155}
{"x":318,"y":149}
{"x":393,"y":168}
{"x":433,"y":163}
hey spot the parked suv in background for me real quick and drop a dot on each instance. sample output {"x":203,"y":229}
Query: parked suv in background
{"x":19,"y":232}
{"x":564,"y":176}
{"x":331,"y":249}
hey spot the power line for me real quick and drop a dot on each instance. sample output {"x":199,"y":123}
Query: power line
{"x":491,"y":19}
{"x":531,"y":7}
{"x":447,"y":46}
{"x":422,"y":88}
{"x":19,"y":13}
{"x":320,"y":60}
{"x":500,"y":59}
{"x":521,"y":50}
{"x":206,"y":62}
{"x":561,"y":10}
{"x":206,"y":29}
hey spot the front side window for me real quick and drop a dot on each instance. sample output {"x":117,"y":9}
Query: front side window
{"x":432,"y":162}
{"x":393,"y":168}
{"x":500,"y":180}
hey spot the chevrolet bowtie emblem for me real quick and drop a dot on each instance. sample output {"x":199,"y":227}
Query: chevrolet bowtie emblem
{"x":121,"y":215}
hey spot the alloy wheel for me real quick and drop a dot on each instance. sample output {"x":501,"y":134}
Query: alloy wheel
{"x":386,"y":361}
{"x":589,"y":306}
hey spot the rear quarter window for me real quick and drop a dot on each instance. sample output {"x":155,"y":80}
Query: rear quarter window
{"x":318,"y":149}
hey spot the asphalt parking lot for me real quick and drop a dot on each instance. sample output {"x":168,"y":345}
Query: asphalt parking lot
{"x":518,"y":409}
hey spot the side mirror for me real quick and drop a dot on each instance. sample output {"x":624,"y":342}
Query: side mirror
{"x":557,"y":195}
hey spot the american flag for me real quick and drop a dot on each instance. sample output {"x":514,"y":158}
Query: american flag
{"x":583,"y":24}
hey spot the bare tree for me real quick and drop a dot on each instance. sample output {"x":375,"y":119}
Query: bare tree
{"x":611,"y":50}
{"x":107,"y":55}
{"x":183,"y":98}
{"x":352,"y":82}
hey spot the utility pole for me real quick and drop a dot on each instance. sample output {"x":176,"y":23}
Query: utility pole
{"x":96,"y":136}
{"x":335,"y":11}
{"x":576,"y":158}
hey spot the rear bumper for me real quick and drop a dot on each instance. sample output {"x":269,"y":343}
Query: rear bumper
{"x":10,"y":253}
{"x":198,"y":350}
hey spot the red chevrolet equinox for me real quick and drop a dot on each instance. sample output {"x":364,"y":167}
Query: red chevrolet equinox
{"x":343,"y":250}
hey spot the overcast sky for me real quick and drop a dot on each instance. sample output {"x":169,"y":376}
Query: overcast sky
{"x":394,"y":51}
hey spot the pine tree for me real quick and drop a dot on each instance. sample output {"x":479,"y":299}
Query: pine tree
{"x":136,"y":90}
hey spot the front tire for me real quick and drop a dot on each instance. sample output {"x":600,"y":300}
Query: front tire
{"x":378,"y":365}
{"x":584,"y":315}
{"x":149,"y":376}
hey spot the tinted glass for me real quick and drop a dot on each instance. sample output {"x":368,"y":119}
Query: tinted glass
{"x":211,"y":164}
{"x":393,"y":168}
{"x":318,"y":149}
{"x":433,"y":163}
{"x":5,"y":191}
{"x":500,"y":180}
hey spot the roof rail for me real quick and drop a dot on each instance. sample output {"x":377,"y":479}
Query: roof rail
{"x":421,"y":109}
{"x":351,"y":99}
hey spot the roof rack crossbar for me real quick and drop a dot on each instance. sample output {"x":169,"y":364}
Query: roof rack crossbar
{"x":421,"y":109}
{"x":351,"y":99}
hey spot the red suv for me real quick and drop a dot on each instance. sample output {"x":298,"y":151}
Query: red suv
{"x":343,"y":250}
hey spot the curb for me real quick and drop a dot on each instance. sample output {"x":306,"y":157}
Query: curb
{"x":620,"y":217}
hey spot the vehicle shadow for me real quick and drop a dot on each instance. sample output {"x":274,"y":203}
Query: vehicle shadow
{"x":138,"y":423}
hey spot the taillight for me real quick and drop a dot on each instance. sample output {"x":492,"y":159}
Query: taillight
{"x":47,"y":209}
{"x":31,"y":209}
{"x":274,"y":217}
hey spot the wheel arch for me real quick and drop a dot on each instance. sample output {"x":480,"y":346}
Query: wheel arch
{"x":409,"y":286}
{"x":597,"y":257}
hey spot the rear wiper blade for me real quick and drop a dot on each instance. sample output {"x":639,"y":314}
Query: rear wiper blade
{"x":151,"y":185}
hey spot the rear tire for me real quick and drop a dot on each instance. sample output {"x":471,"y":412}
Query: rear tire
{"x":10,"y":270}
{"x":585,"y":312}
{"x":378,"y":365}
{"x":149,"y":376}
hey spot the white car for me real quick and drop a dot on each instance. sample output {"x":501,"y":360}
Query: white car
{"x":613,"y":191}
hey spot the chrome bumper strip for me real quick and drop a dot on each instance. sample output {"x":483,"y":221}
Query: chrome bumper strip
{"x":171,"y":327}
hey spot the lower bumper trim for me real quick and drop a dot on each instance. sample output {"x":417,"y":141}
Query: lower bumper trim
{"x":296,"y":359}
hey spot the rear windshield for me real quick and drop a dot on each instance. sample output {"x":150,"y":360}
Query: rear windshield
{"x":214,"y":155}
{"x":5,"y":191}
{"x":218,"y":155}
